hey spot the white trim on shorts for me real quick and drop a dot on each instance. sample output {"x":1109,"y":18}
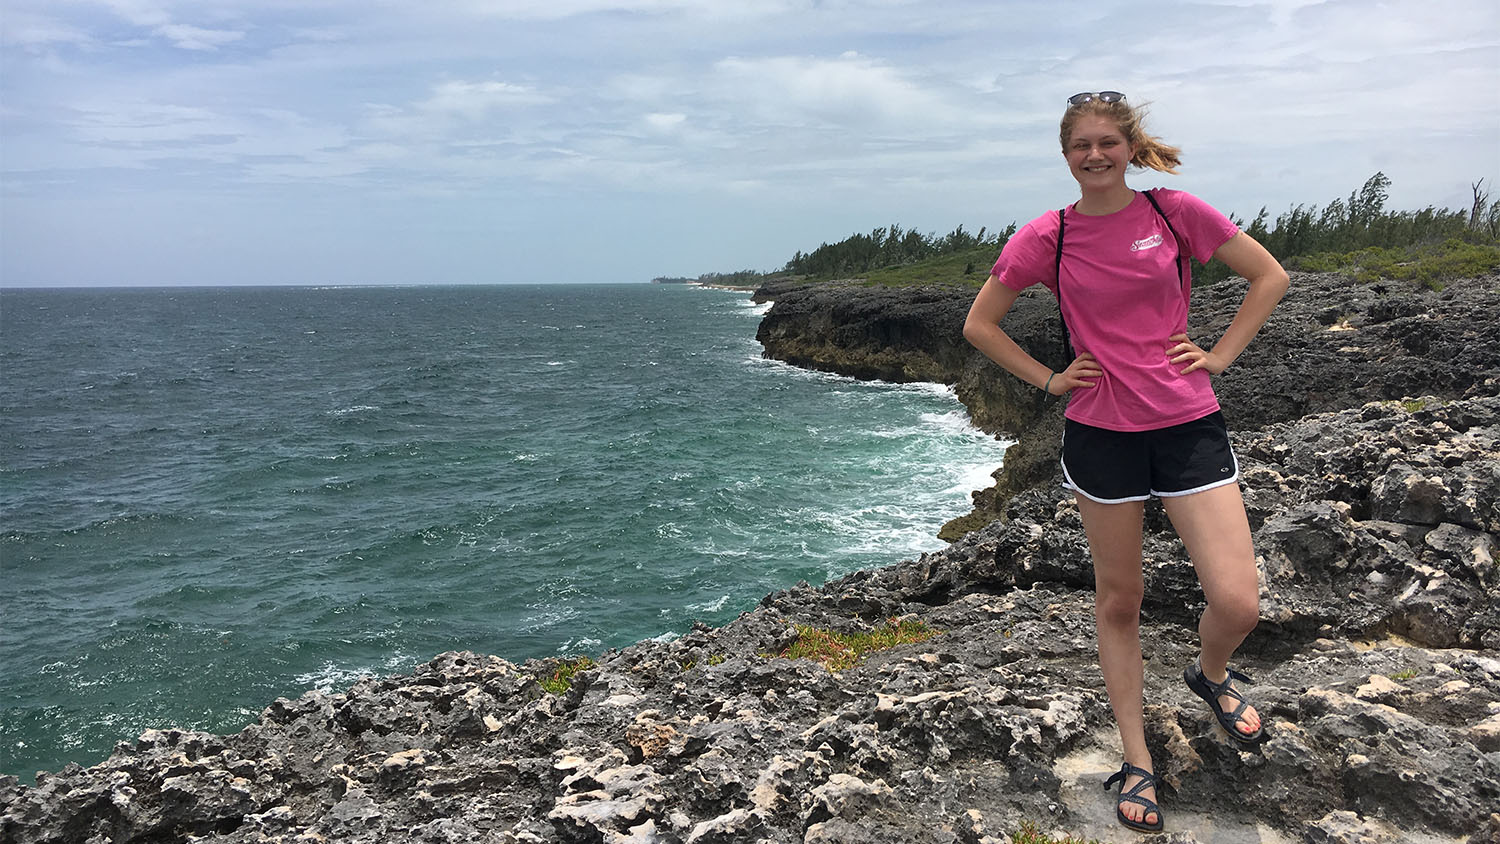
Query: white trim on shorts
{"x":1234,"y":476}
{"x":1069,"y":485}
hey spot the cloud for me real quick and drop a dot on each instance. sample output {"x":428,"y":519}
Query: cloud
{"x":560,"y":9}
{"x":664,"y":123}
{"x":851,"y":91}
{"x":453,"y":111}
{"x":33,"y":32}
{"x":836,"y":110}
{"x":476,"y":100}
{"x":197,"y":38}
{"x":143,"y":13}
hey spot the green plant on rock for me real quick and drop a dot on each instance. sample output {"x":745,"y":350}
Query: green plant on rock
{"x":561,"y":678}
{"x":840,"y":651}
{"x":1030,"y":833}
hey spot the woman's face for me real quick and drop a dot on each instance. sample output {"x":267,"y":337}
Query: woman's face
{"x":1097,"y":153}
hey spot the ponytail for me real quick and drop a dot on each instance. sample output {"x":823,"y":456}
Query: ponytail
{"x":1154,"y":154}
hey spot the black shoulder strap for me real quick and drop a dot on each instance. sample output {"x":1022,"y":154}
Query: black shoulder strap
{"x":1067,"y":355}
{"x":1181,"y":253}
{"x":1061,"y":222}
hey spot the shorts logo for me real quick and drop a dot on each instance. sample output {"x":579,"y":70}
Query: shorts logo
{"x":1146,"y":243}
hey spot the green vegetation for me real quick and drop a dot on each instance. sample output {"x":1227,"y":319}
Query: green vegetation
{"x":713,"y":659}
{"x":1430,"y":264}
{"x":1359,"y":237}
{"x":1356,"y":236}
{"x":840,"y":651}
{"x":1403,"y":676}
{"x":892,"y":246}
{"x":1030,"y":833}
{"x":970,"y":267}
{"x":743,"y":278}
{"x":561,"y":678}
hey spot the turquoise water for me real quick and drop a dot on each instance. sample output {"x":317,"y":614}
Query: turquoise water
{"x":210,"y":498}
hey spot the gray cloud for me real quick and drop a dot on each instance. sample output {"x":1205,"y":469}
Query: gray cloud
{"x":843,"y":115}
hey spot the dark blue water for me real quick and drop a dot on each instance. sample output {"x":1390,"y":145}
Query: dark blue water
{"x":210,"y":498}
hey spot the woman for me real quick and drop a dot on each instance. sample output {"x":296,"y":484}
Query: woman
{"x":1142,"y":418}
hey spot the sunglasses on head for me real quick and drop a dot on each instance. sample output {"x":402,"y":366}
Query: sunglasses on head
{"x":1101,"y":96}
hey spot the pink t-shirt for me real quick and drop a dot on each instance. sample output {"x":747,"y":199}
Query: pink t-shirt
{"x":1121,"y":300}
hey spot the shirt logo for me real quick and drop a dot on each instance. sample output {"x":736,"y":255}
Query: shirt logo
{"x":1146,"y":243}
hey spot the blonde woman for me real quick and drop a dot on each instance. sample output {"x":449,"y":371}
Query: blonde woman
{"x":1142,"y":419}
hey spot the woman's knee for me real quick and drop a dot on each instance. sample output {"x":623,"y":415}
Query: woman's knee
{"x":1239,"y":613}
{"x":1119,"y":606}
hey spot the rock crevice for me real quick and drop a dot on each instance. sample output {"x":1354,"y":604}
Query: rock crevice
{"x":1374,"y":504}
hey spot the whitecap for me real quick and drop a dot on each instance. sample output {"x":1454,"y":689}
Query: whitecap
{"x":709,"y":606}
{"x":952,"y":422}
{"x":329,"y":675}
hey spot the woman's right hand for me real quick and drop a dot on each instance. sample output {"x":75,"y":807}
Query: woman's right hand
{"x":1078,"y":373}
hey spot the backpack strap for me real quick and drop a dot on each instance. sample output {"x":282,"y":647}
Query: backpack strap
{"x":1067,"y":355}
{"x":1181,"y":253}
{"x":1182,"y":257}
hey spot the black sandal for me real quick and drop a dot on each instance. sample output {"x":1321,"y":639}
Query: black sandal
{"x":1211,"y":691}
{"x":1148,"y":780}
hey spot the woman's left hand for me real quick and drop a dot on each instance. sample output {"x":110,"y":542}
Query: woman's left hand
{"x":1186,"y":351}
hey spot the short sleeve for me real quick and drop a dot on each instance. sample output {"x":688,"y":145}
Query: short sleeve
{"x":1201,"y":225}
{"x":1030,"y":256}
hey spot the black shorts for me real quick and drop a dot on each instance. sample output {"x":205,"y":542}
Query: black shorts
{"x":1112,"y":467}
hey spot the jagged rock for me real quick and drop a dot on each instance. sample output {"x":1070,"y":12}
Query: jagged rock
{"x":1393,"y":341}
{"x":1376,"y":666}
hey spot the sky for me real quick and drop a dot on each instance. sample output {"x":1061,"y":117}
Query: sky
{"x":213,"y":142}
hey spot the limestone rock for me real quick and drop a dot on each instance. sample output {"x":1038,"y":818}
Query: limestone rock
{"x":1372,"y":483}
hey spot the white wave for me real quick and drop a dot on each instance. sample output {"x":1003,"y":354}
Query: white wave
{"x":926,"y":387}
{"x":709,"y":606}
{"x":358,"y":408}
{"x":975,"y":477}
{"x":547,"y":618}
{"x":582,"y":643}
{"x":954,"y":422}
{"x":330,"y":675}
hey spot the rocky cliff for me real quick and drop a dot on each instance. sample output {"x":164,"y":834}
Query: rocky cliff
{"x":1331,"y":344}
{"x":1372,"y":479}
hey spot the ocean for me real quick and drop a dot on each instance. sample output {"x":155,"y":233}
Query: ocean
{"x":214,"y":497}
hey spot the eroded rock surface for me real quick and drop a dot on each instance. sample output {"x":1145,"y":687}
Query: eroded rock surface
{"x":1376,"y":666}
{"x":1331,"y":344}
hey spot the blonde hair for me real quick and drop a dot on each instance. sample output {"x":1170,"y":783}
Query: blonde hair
{"x":1150,"y":151}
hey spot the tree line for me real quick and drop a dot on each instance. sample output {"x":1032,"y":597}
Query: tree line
{"x":890,"y":246}
{"x":1345,"y":225}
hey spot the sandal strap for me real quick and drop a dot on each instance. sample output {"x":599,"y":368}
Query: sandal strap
{"x":1148,"y":779}
{"x":1226,"y":687}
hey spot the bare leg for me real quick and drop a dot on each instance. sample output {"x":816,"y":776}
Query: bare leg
{"x":1216,"y":533}
{"x":1114,"y":534}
